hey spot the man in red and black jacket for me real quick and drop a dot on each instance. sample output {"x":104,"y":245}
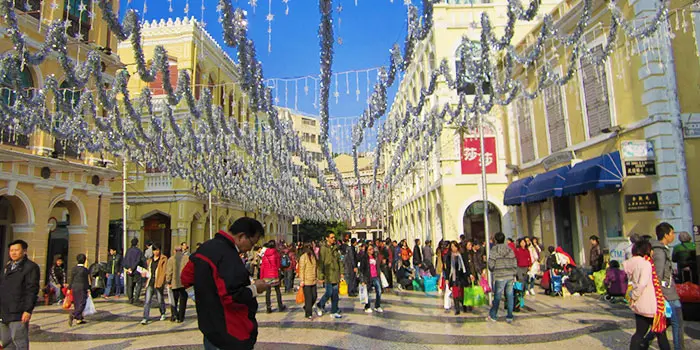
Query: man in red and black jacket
{"x":226,"y":300}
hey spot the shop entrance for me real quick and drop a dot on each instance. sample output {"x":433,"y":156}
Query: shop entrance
{"x":6,"y":220}
{"x":566,"y":227}
{"x":473,"y":221}
{"x":156,"y":228}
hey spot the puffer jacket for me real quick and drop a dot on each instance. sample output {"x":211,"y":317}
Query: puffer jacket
{"x":308,"y":273}
{"x":502,"y":263}
{"x":643,"y":299}
{"x":664,"y":270}
{"x":270,"y":264}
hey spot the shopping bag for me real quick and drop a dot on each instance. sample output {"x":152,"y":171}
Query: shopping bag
{"x":343,"y":288}
{"x":300,"y":296}
{"x":628,"y":294}
{"x":468,"y":296}
{"x":68,"y":301}
{"x":385,"y":283}
{"x":442,"y":283}
{"x":479,"y":296}
{"x":457,"y":292}
{"x":89,"y":307}
{"x":364,"y":295}
{"x":447,"y":303}
{"x":170,"y":296}
{"x":518,"y":285}
{"x":599,"y":279}
{"x":484,"y":283}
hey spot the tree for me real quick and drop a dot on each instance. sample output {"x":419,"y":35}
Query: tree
{"x":316,"y":231}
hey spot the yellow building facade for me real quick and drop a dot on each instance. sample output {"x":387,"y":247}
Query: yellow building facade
{"x":605,"y":154}
{"x":54,"y":195}
{"x":166,"y":209}
{"x":441,"y":198}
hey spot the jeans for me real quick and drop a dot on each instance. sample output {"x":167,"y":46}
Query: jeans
{"x":14,"y":335}
{"x":179,"y":305}
{"x":310,"y":295}
{"x":116,"y":279}
{"x":639,"y":341}
{"x":150,"y":291}
{"x":377,"y":285}
{"x":332,"y":294}
{"x":676,"y":325}
{"x":498,"y":287}
{"x":208,"y":345}
{"x":288,"y":280}
{"x":56,"y":291}
{"x":134,"y":283}
{"x":279,"y":296}
{"x":524,"y":278}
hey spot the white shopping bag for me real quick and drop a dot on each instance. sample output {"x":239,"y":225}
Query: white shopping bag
{"x":170,"y":296}
{"x":385,"y":283}
{"x":448,"y":299}
{"x":89,"y":307}
{"x":364,"y":295}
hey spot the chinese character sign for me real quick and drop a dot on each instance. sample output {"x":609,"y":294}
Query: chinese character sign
{"x":471,"y":155}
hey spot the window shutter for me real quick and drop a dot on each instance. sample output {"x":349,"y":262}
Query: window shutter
{"x":523,"y":114}
{"x":595,"y":91}
{"x":555,"y":117}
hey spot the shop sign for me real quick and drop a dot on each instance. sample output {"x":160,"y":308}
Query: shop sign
{"x":557,"y":158}
{"x":471,"y":155}
{"x":641,"y":202}
{"x":691,"y":130}
{"x":637,"y":149}
{"x":640,"y":167}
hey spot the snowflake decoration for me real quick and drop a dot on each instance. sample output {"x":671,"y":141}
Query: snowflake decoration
{"x":82,"y":7}
{"x":340,"y":41}
{"x":270,"y":17}
{"x":54,"y":5}
{"x":407,"y":2}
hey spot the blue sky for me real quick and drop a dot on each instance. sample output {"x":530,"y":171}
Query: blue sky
{"x":368,"y":31}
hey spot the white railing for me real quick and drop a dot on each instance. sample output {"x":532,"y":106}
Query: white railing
{"x":158,"y":182}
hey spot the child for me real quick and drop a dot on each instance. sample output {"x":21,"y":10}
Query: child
{"x":615,"y":280}
{"x":80,"y":286}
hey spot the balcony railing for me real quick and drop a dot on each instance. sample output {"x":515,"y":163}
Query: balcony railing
{"x":158,"y":182}
{"x":65,"y":148}
{"x":8,"y":136}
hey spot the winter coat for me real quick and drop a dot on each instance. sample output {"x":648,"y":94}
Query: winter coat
{"x":79,"y":279}
{"x":664,"y":270}
{"x":684,"y":254}
{"x":308,"y":270}
{"x":18,"y":290}
{"x":174,"y":270}
{"x":161,"y":269}
{"x":596,"y":258}
{"x":428,"y":255}
{"x":615,"y":281}
{"x":133,"y":259}
{"x":114,"y":264}
{"x":417,"y":256}
{"x":364,"y":270}
{"x":270,"y":264}
{"x":643,"y":299}
{"x":58,"y":276}
{"x":461,"y":277}
{"x":329,"y":264}
{"x":406,"y":254}
{"x":349,"y":259}
{"x":522,"y":255}
{"x":502,"y":263}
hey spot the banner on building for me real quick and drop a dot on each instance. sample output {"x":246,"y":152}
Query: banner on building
{"x":471,"y":155}
{"x":642,"y":202}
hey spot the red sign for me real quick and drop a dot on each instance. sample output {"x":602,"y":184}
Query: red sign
{"x":471,"y":155}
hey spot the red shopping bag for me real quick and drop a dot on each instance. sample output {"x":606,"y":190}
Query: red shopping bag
{"x":442,"y":283}
{"x":68,"y":301}
{"x":457,"y":292}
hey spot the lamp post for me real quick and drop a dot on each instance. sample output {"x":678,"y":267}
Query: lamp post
{"x":211,"y":223}
{"x":485,"y":197}
{"x":124,"y":205}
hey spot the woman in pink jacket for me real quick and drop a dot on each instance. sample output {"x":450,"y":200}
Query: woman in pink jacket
{"x":646,"y":298}
{"x":270,"y":272}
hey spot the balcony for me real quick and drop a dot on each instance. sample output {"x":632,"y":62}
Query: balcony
{"x":158,"y":182}
{"x":8,"y":136}
{"x":65,"y":149}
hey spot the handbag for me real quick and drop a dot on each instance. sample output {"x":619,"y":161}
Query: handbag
{"x":385,"y":283}
{"x":364,"y":294}
{"x":484,"y":283}
{"x":468,"y":296}
{"x":68,"y":301}
{"x":89,"y":307}
{"x":447,"y":303}
{"x":300,"y":296}
{"x":343,"y":288}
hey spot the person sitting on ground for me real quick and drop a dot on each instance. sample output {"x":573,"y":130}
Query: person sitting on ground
{"x":615,"y":280}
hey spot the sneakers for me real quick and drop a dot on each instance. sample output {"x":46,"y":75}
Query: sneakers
{"x":379,"y":310}
{"x":163,"y":318}
{"x":318,"y":311}
{"x":509,"y":320}
{"x":309,"y":317}
{"x":144,"y":322}
{"x":532,"y":291}
{"x":368,"y":311}
{"x":489,"y":319}
{"x":336,"y":315}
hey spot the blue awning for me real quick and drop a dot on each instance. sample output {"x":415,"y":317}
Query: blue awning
{"x":547,"y":185}
{"x":516,"y":191}
{"x":604,"y":172}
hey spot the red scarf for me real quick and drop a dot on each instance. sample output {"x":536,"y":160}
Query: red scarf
{"x":659,"y":324}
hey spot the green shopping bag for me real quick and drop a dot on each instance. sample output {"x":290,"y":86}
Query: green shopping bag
{"x":479,"y":296}
{"x":599,"y":279}
{"x":469,"y":296}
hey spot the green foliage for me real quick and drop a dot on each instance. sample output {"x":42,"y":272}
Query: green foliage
{"x":316,"y":231}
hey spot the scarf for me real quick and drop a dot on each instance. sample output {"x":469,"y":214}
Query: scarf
{"x":456,"y":260}
{"x":659,"y":324}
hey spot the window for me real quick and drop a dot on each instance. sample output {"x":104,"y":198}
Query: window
{"x":156,"y":85}
{"x":230,"y":105}
{"x":466,"y":54}
{"x":596,"y":95}
{"x":534,"y":219}
{"x":524,"y":118}
{"x":309,"y":122}
{"x":610,"y":216}
{"x":8,"y":135}
{"x":31,"y":7}
{"x":76,"y":11}
{"x":555,"y":118}
{"x":67,"y":148}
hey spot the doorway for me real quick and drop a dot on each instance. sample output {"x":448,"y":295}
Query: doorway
{"x":156,"y":228}
{"x":473,"y":221}
{"x":566,"y":225}
{"x":6,"y":220}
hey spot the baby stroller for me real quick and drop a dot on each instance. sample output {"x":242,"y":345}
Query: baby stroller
{"x":555,"y":284}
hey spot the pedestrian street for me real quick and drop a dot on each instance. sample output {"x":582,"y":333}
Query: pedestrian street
{"x":411,"y":320}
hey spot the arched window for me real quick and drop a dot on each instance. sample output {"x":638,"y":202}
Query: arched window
{"x":230,"y":105}
{"x":31,"y":7}
{"x":9,"y":96}
{"x":70,"y":94}
{"x":77,"y":12}
{"x":466,"y":55}
{"x":67,"y":148}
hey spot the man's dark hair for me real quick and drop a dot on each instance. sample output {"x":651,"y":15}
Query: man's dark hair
{"x":500,"y":237}
{"x":134,"y":242}
{"x":156,"y":246}
{"x":270,"y":244}
{"x":550,"y":249}
{"x":149,"y":243}
{"x":662,"y":230}
{"x":81,"y":258}
{"x":248,"y":226}
{"x":614,"y":264}
{"x":461,"y":237}
{"x":417,"y":241}
{"x":594,"y":238}
{"x":181,"y":243}
{"x":329,"y":233}
{"x":112,"y":248}
{"x":353,"y":240}
{"x":20,"y":242}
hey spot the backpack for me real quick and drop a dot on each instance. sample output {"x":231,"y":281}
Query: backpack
{"x":285,"y":261}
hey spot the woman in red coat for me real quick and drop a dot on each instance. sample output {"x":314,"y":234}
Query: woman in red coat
{"x":270,"y":264}
{"x":522,"y":255}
